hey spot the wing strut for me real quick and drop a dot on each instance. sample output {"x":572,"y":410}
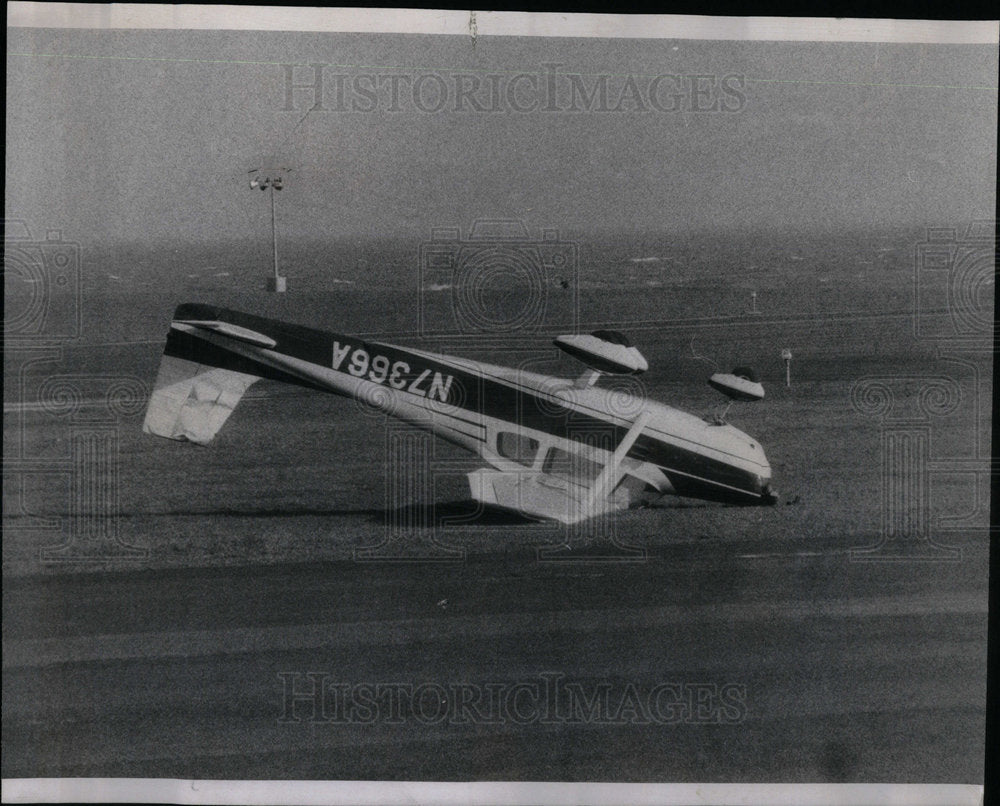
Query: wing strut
{"x":611,"y":475}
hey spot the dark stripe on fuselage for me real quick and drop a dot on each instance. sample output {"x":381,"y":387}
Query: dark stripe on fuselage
{"x":701,"y":475}
{"x":193,"y":348}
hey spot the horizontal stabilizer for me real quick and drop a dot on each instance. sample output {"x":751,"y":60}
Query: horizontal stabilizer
{"x":192,"y":401}
{"x":231,"y":330}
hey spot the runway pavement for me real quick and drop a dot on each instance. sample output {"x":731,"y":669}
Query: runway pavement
{"x":721,"y":660}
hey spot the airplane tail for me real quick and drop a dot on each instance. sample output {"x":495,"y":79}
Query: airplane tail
{"x":192,"y":401}
{"x":197,"y":387}
{"x":213,"y":355}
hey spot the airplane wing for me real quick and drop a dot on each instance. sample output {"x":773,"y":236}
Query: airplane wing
{"x":544,"y":495}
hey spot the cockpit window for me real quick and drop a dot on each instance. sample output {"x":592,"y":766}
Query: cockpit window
{"x":571,"y":466}
{"x":517,"y":447}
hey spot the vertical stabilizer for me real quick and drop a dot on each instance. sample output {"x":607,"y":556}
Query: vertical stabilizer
{"x":192,"y":401}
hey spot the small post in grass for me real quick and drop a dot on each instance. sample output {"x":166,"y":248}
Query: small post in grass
{"x":786,"y":354}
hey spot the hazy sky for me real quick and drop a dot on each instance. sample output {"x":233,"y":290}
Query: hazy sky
{"x":135,"y":135}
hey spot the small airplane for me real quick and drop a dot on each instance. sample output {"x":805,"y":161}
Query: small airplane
{"x":556,"y":449}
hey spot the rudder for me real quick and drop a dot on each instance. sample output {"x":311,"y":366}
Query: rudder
{"x":192,"y":401}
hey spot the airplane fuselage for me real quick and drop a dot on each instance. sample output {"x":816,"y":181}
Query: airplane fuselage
{"x":515,"y":420}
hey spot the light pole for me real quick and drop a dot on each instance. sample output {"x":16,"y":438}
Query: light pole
{"x":272,"y":182}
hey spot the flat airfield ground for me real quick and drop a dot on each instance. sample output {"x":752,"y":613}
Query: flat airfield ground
{"x":270,"y":555}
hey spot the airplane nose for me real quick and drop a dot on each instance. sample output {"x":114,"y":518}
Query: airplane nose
{"x":768,"y":495}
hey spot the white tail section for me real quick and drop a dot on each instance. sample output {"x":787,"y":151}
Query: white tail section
{"x":192,"y":401}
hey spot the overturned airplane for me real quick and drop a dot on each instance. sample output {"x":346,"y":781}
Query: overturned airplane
{"x":557,"y":449}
